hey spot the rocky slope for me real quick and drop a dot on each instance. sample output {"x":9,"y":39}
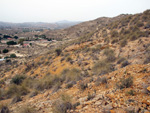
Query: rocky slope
{"x":104,"y":68}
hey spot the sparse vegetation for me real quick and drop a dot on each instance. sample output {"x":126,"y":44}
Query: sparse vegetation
{"x":124,"y":63}
{"x":120,"y":60}
{"x":114,"y":33}
{"x":28,"y":109}
{"x":131,"y":92}
{"x":71,"y":75}
{"x":70,"y":84}
{"x":83,"y":86}
{"x":46,"y":83}
{"x":90,"y":96}
{"x":111,"y":58}
{"x":86,"y":55}
{"x":4,"y":109}
{"x":98,"y":81}
{"x":123,"y":43}
{"x":16,"y":90}
{"x":33,"y":93}
{"x":108,"y":52}
{"x":147,"y":60}
{"x":102,"y":67}
{"x":16,"y":98}
{"x":68,"y":59}
{"x":125,"y":83}
{"x":103,"y":80}
{"x":62,"y":105}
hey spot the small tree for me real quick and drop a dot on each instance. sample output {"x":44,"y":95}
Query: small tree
{"x":18,"y":79}
{"x":11,"y":43}
{"x":58,"y":51}
{"x":5,"y":51}
{"x":13,"y":56}
{"x":16,"y":37}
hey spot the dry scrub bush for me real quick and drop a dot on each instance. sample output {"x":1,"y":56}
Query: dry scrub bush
{"x":62,"y":105}
{"x":125,"y":83}
{"x":16,"y":90}
{"x":102,"y":67}
{"x":27,"y":109}
{"x":4,"y":109}
{"x":71,"y":75}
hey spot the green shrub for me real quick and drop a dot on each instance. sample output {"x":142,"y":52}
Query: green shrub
{"x":13,"y":56}
{"x":11,"y":43}
{"x":18,"y":79}
{"x":125,"y":83}
{"x":5,"y":51}
{"x":6,"y":57}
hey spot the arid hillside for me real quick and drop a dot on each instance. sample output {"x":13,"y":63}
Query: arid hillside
{"x":100,"y":66}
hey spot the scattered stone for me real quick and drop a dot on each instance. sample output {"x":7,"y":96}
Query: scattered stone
{"x":98,"y":103}
{"x":148,"y":88}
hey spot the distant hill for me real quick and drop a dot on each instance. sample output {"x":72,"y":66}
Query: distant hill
{"x":56,"y":25}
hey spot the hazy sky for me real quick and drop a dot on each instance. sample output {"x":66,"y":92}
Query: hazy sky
{"x":73,"y":10}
